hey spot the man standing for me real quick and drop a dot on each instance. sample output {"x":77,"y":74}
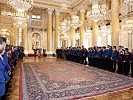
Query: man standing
{"x":131,"y":60}
{"x":113,"y":59}
{"x":127,"y":56}
{"x":5,"y":58}
{"x":35,"y":51}
{"x":3,"y":73}
{"x":120,"y":60}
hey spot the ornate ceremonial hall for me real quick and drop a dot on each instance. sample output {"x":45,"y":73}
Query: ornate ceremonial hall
{"x":66,"y":49}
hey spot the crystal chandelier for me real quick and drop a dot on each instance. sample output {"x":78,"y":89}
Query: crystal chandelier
{"x":130,"y":2}
{"x":21,"y":4}
{"x":128,"y":25}
{"x":76,"y":22}
{"x":97,"y":12}
{"x":104,"y":31}
{"x":65,"y":36}
{"x":20,"y":18}
{"x":21,"y":7}
{"x":88,"y":33}
{"x":77,"y":35}
{"x":64,"y":26}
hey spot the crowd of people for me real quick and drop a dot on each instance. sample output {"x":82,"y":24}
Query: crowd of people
{"x":101,"y":57}
{"x":8,"y":59}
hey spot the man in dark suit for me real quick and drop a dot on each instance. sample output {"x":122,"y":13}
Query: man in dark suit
{"x":108,"y":57}
{"x":131,"y":60}
{"x":99,"y":57}
{"x":4,"y":78}
{"x":113,"y":59}
{"x":120,"y":59}
{"x":127,"y":56}
{"x":103,"y":58}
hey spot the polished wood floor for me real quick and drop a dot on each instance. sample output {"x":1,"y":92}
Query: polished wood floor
{"x":121,"y":95}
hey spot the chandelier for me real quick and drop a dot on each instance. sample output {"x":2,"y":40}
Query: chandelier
{"x":20,"y":18}
{"x":64,"y":26}
{"x":77,"y":35}
{"x":128,"y":25}
{"x":88,"y":33}
{"x":104,"y":31}
{"x":130,"y":2}
{"x":21,"y":4}
{"x":76,"y":22}
{"x":97,"y":12}
{"x":21,"y":7}
{"x":4,"y":32}
{"x":65,"y":36}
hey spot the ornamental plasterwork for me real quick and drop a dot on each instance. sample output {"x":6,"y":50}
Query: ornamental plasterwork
{"x":68,"y":2}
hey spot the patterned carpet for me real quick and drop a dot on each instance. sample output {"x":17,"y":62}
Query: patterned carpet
{"x":67,"y":80}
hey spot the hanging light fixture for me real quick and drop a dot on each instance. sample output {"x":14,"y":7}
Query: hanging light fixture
{"x":24,"y":5}
{"x":77,"y":35}
{"x":128,"y":24}
{"x":21,"y":7}
{"x":129,"y":2}
{"x":20,"y":18}
{"x":76,"y":22}
{"x":104,"y":30}
{"x":65,"y":36}
{"x":97,"y":12}
{"x":64,"y":26}
{"x":88,"y":32}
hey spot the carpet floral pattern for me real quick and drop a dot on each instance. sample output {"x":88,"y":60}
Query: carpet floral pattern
{"x":67,"y":80}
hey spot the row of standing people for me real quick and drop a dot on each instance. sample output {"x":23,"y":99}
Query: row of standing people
{"x":8,"y":60}
{"x":101,"y":57}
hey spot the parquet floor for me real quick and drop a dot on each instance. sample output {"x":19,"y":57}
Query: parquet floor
{"x":14,"y":95}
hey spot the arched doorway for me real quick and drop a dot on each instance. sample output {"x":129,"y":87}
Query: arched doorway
{"x":7,"y":34}
{"x":36,"y":40}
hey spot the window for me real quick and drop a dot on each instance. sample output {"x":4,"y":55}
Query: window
{"x":9,"y":14}
{"x":36,"y":17}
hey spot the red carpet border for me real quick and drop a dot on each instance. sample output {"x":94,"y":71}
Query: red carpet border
{"x":67,"y":80}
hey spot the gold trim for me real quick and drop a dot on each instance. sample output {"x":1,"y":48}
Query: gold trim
{"x":54,"y":5}
{"x":78,"y":4}
{"x":47,"y":4}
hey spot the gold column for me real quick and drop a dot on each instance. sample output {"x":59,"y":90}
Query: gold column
{"x":115,"y":22}
{"x":56,"y":30}
{"x":12,"y":39}
{"x":49,"y":34}
{"x":24,"y":39}
{"x":95,"y":33}
{"x":72,"y":35}
{"x":63,"y":43}
{"x":15,"y":38}
{"x":82,"y":19}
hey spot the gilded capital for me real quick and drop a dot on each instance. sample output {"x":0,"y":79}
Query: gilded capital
{"x":50,"y":10}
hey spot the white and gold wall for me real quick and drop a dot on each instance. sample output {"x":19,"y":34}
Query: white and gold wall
{"x":42,"y":29}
